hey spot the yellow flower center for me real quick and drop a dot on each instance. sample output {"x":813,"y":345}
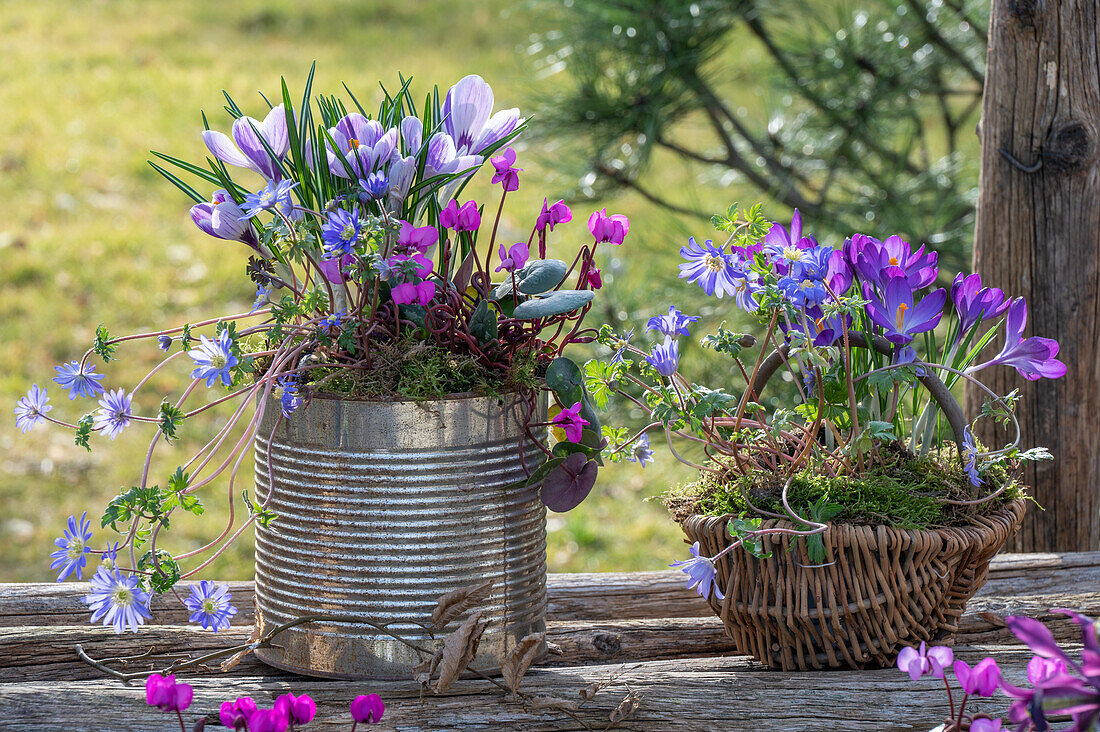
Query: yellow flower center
{"x":76,"y":548}
{"x":218,"y":361}
{"x":893,"y":261}
{"x":714,"y":264}
{"x":792,"y":254}
{"x":278,"y":392}
{"x":122,"y":596}
{"x":901,"y":314}
{"x":209,"y":606}
{"x":352,"y":144}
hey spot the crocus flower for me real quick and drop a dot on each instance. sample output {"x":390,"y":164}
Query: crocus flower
{"x":412,"y":134}
{"x":711,"y":268}
{"x":117,"y":600}
{"x":466,"y":218}
{"x":164,"y":693}
{"x":640,"y":452}
{"x":1040,"y":669}
{"x":665,"y":357}
{"x":593,"y":278}
{"x":612,"y":229}
{"x":269,"y":720}
{"x":286,"y":391}
{"x":672,"y":324}
{"x":209,"y":605}
{"x":335,"y":270}
{"x":877,"y":262}
{"x":251,"y":153}
{"x":224,"y":219}
{"x":31,"y":409}
{"x":114,"y":413}
{"x":72,"y":548}
{"x":896,"y":313}
{"x":919,"y":662}
{"x":270,"y":196}
{"x":970,"y":457}
{"x":367,"y":708}
{"x":443,"y":158}
{"x":236,"y":713}
{"x":550,"y":216}
{"x":514,"y":258}
{"x":1034,"y":357}
{"x":407,"y":293}
{"x":363,"y":147}
{"x":701,"y":572}
{"x":375,"y":185}
{"x":571,"y":421}
{"x":419,"y":238}
{"x":981,"y":680}
{"x":213,"y":359}
{"x":506,"y":173}
{"x":298,"y":709}
{"x":340,"y":232}
{"x":975,"y":303}
{"x":399,"y":181}
{"x":468,"y":119}
{"x":80,"y":381}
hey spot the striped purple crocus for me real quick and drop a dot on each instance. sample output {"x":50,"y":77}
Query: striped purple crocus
{"x":1034,"y":357}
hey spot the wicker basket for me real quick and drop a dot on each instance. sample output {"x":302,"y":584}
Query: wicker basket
{"x":883,"y":590}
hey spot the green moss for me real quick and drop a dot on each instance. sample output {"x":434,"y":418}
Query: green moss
{"x":905,"y":492}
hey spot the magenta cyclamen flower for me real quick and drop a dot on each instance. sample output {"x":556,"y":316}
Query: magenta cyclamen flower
{"x":31,"y":409}
{"x":72,"y":548}
{"x":919,"y":662}
{"x":550,"y":216}
{"x":982,"y":680}
{"x":117,"y":600}
{"x":570,"y":419}
{"x":407,"y":293}
{"x":238,"y":711}
{"x":673,"y":324}
{"x":209,"y":605}
{"x":975,"y":303}
{"x":114,"y":413}
{"x":420,"y":265}
{"x":80,"y":381}
{"x":298,"y":709}
{"x":214,"y":359}
{"x":982,"y":724}
{"x":252,"y":154}
{"x":593,"y":278}
{"x":896,"y":313}
{"x":224,"y":219}
{"x":1034,"y":358}
{"x":335,"y":271}
{"x":367,"y":708}
{"x":412,"y":238}
{"x":466,"y":218}
{"x":513,"y":258}
{"x":506,"y":173}
{"x":612,"y":229}
{"x":164,"y":693}
{"x":701,"y":572}
{"x":269,"y":720}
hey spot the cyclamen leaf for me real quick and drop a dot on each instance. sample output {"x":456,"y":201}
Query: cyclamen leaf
{"x":556,"y":303}
{"x":569,"y":484}
{"x":459,"y":650}
{"x":540,"y":275}
{"x":520,"y":659}
{"x":456,"y":602}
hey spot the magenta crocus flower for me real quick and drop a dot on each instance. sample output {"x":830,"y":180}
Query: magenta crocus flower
{"x":166,"y":695}
{"x":412,"y":238}
{"x":921,"y":661}
{"x":367,"y":708}
{"x":506,"y":173}
{"x":298,"y":709}
{"x":514,"y":258}
{"x":570,"y":419}
{"x":896,"y":313}
{"x":237,"y":713}
{"x":975,"y":303}
{"x":878,"y":261}
{"x":1034,"y":358}
{"x":612,"y":229}
{"x":407,"y":293}
{"x":468,"y":119}
{"x":981,"y":680}
{"x":464,"y":218}
{"x":224,"y":219}
{"x":557,"y":213}
{"x":362,"y":145}
{"x":249,"y":152}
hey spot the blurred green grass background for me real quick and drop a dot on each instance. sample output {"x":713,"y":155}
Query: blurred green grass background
{"x":91,"y":234}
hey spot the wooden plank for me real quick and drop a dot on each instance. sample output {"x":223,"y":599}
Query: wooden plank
{"x":589,"y":596}
{"x":697,"y":694}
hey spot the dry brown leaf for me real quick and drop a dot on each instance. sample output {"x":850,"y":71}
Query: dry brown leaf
{"x":626,"y":707}
{"x":426,"y":669}
{"x":520,"y":659}
{"x":554,"y":648}
{"x":549,"y":702}
{"x":464,"y":273}
{"x":458,"y":651}
{"x":456,"y":602}
{"x":253,"y":637}
{"x":589,"y":692}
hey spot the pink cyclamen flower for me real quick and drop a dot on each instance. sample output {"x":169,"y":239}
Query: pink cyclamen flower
{"x":335,"y":270}
{"x":506,"y":173}
{"x":558,"y":213}
{"x":269,"y":720}
{"x":925,"y":660}
{"x":982,"y":680}
{"x":595,"y":281}
{"x":466,"y":218}
{"x":571,"y":421}
{"x":982,"y":724}
{"x":612,"y":229}
{"x":166,"y":695}
{"x":298,"y":709}
{"x":419,"y":238}
{"x":408,"y":293}
{"x":514,"y":258}
{"x":234,"y":714}
{"x":368,"y":708}
{"x":424,"y":265}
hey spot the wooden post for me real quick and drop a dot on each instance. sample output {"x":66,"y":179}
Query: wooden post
{"x":1038,"y":235}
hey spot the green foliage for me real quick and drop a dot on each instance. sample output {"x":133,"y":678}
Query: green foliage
{"x":103,"y":347}
{"x":84,"y":431}
{"x":171,"y":417}
{"x":728,"y":342}
{"x":164,"y":572}
{"x":263,"y":516}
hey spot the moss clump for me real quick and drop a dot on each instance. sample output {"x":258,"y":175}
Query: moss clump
{"x":901,"y":491}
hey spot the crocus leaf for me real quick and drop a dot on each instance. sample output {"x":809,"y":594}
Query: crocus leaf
{"x":570,"y":483}
{"x":556,"y":303}
{"x":483,"y":323}
{"x":540,"y":275}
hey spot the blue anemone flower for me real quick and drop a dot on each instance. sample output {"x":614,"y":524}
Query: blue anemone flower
{"x":213,"y":359}
{"x":701,"y":572}
{"x":640,"y":452}
{"x":340,"y":232}
{"x":710,"y":267}
{"x":31,"y":409}
{"x":71,"y":555}
{"x":80,"y":381}
{"x":209,"y":605}
{"x":117,"y":600}
{"x":673,"y":324}
{"x":272,"y":195}
{"x":665,"y":357}
{"x":375,"y":185}
{"x":114,"y":413}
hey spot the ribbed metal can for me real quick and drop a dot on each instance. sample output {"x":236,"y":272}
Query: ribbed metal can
{"x":382,"y":507}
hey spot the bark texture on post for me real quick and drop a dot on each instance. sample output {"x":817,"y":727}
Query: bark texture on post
{"x":1038,"y":235}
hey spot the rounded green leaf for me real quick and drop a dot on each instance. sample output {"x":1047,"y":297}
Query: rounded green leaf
{"x":556,"y":303}
{"x":540,"y":275}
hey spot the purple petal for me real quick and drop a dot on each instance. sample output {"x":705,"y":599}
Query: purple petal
{"x":223,"y":149}
{"x":275,"y":131}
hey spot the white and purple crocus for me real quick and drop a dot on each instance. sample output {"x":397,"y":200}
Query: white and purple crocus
{"x":258,"y":146}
